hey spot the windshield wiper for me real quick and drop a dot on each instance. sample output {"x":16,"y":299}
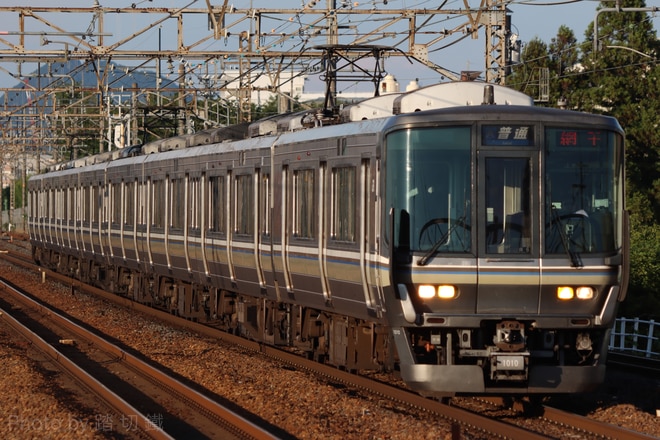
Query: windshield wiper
{"x":576,"y":260}
{"x":423,"y":261}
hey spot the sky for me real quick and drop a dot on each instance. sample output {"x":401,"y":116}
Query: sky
{"x":530,"y":19}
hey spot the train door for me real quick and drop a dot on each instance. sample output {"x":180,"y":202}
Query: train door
{"x":323,"y":233}
{"x":368,"y":236}
{"x":129,"y":223}
{"x":104,"y":221}
{"x":59,"y":217}
{"x":508,"y":207}
{"x":96,"y":218}
{"x":230,"y":215}
{"x":144,"y":204}
{"x":200,"y":209}
{"x":263,"y":238}
{"x":285,"y":221}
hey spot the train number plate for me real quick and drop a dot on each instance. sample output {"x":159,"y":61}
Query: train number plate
{"x":510,"y":362}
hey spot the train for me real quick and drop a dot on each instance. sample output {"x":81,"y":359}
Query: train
{"x":458,"y":235}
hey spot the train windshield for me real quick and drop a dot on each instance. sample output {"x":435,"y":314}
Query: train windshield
{"x":583,"y":191}
{"x":428,"y":187}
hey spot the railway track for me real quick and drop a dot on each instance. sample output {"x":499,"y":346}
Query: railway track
{"x":147,"y":401}
{"x":463,"y":418}
{"x":638,"y":364}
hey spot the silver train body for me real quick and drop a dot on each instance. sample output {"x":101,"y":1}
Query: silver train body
{"x":477,"y":249}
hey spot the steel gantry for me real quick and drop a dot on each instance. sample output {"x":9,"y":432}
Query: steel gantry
{"x":81,"y":72}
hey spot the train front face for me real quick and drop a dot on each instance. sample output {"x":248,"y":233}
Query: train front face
{"x":507,"y":235}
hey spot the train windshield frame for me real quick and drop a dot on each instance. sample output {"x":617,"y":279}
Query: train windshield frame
{"x":583,"y":182}
{"x":429,"y":175}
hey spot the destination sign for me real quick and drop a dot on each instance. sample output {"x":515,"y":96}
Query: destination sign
{"x":567,"y":138}
{"x":508,"y":134}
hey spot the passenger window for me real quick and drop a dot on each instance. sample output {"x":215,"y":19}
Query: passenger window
{"x":158,"y":200}
{"x":177,"y":196}
{"x":217,"y":204}
{"x":129,"y":203}
{"x":304,"y":204}
{"x":343,"y":204}
{"x":194,"y":206}
{"x":115,"y":194}
{"x":245,"y":209}
{"x":264,"y":204}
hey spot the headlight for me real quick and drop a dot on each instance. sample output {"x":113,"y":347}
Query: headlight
{"x":445,"y":291}
{"x":564,"y":292}
{"x":584,"y":293}
{"x":426,"y":291}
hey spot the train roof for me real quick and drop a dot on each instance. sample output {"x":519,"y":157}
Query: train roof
{"x":458,"y":94}
{"x":498,"y":113}
{"x":463,"y":97}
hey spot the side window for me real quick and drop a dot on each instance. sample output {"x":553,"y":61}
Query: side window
{"x":129,"y":203}
{"x":95,"y":203}
{"x":51,"y":203}
{"x":304,"y":204}
{"x":264,"y":204}
{"x":73,"y":208}
{"x":217,"y":205}
{"x":115,"y":194}
{"x":65,"y":205}
{"x":158,"y":201}
{"x":86,"y":197}
{"x":177,"y":196}
{"x":244,"y":209}
{"x":193,"y":202}
{"x":343,"y":204}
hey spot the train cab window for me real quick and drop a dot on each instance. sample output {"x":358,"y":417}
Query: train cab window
{"x":245,"y":209}
{"x":343,"y":195}
{"x":428,"y":187}
{"x":583,"y":190}
{"x":304,"y":204}
{"x":217,"y":204}
{"x":508,"y":203}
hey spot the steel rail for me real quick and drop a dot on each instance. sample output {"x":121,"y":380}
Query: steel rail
{"x":229,"y":420}
{"x":104,"y":393}
{"x":454,"y":414}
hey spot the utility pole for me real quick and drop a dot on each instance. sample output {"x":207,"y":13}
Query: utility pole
{"x":497,"y":25}
{"x":244,"y":39}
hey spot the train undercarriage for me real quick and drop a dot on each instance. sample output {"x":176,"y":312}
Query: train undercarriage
{"x":345,"y":342}
{"x":501,"y":356}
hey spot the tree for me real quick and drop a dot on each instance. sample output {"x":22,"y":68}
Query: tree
{"x":563,"y":54}
{"x":526,"y":76}
{"x":621,"y":78}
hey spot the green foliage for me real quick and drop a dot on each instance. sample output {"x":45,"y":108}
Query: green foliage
{"x":621,"y":79}
{"x":643,"y":299}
